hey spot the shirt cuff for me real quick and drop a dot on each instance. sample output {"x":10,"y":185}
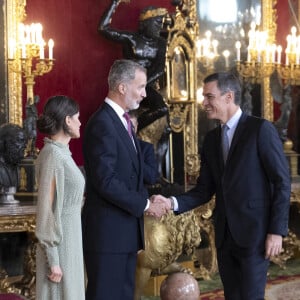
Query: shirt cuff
{"x":175,"y":203}
{"x":148,"y":204}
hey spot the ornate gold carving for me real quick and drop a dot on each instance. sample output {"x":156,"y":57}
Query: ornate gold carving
{"x":207,"y":257}
{"x":152,"y":13}
{"x":23,"y":180}
{"x":178,"y":116}
{"x":20,"y":218}
{"x":165,"y":241}
{"x":269,"y":16}
{"x":15,"y":14}
{"x":183,"y":111}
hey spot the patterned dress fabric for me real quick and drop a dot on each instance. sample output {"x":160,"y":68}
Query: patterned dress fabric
{"x":58,"y":224}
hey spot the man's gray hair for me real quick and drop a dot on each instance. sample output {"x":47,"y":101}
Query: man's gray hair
{"x":123,"y":71}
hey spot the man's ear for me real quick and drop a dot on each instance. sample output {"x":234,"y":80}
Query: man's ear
{"x":122,"y":88}
{"x":229,"y":97}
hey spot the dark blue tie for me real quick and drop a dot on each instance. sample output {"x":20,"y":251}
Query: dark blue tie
{"x":225,"y":142}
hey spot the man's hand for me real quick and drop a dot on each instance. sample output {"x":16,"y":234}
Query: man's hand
{"x":55,"y":274}
{"x":157,"y":209}
{"x":161,"y":199}
{"x":273,"y":245}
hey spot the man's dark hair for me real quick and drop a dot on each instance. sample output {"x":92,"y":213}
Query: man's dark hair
{"x":226,"y":82}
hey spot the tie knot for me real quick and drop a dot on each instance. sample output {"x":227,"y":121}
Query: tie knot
{"x":126,"y":116}
{"x":225,"y":128}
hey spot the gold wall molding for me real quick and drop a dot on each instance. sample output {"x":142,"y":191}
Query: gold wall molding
{"x":15,"y":13}
{"x":269,"y":18}
{"x":182,"y":84}
{"x":20,"y":218}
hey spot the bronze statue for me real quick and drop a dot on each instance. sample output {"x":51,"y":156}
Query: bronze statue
{"x":30,"y":126}
{"x":147,"y":47}
{"x":13,"y":141}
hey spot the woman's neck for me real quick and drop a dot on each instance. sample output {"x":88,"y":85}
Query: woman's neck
{"x":61,"y":137}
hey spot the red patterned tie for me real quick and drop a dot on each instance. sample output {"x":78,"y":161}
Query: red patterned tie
{"x":129,"y":126}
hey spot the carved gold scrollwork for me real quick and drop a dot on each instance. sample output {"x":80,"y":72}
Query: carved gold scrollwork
{"x":20,"y":219}
{"x":178,"y":116}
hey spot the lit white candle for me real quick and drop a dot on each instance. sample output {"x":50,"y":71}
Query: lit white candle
{"x":273,"y":50}
{"x":51,"y":45}
{"x":238,"y":50}
{"x":42,"y":53}
{"x":286,"y":58}
{"x":27,"y":34}
{"x":22,"y":33}
{"x":279,"y":50}
{"x":39,"y":35}
{"x":32,"y":33}
{"x":215,"y":44}
{"x":258,"y":55}
{"x":226,"y":54}
{"x":248,"y":55}
{"x":23,"y":51}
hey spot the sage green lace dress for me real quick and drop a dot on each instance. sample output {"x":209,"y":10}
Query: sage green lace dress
{"x":58,"y":224}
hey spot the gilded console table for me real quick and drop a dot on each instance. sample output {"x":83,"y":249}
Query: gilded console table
{"x":20,"y":218}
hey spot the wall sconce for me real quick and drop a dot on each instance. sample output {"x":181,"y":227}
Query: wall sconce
{"x":264,"y":58}
{"x":30,"y":50}
{"x":207,"y":51}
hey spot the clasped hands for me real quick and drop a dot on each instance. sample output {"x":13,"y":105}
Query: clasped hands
{"x":159,"y":206}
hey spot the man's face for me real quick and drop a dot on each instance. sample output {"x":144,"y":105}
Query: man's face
{"x":215,"y":103}
{"x":135,"y":91}
{"x":153,"y":27}
{"x":15,"y":147}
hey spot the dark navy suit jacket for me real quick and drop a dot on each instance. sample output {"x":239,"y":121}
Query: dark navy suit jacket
{"x":252,"y":190}
{"x":112,"y":216}
{"x":150,"y":170}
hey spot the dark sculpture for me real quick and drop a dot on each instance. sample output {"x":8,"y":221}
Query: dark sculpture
{"x":13,"y":142}
{"x":281,"y":94}
{"x":30,"y":126}
{"x":148,"y":47}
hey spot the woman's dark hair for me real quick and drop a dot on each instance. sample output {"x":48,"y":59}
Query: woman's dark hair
{"x":53,"y":118}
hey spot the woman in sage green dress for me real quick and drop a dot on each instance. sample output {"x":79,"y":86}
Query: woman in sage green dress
{"x":59,"y":258}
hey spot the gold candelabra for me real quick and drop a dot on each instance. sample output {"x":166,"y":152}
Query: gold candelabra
{"x":264,"y":58}
{"x":29,"y":49}
{"x":207,"y":51}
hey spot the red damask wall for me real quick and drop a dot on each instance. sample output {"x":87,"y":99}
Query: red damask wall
{"x":82,"y":56}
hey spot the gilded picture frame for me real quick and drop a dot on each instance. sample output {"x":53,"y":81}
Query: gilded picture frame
{"x":13,"y":12}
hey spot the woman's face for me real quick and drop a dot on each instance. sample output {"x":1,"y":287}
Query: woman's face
{"x":73,"y":124}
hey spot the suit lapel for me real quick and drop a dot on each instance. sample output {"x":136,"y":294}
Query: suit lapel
{"x":238,"y":132}
{"x":124,"y":136}
{"x":220,"y":152}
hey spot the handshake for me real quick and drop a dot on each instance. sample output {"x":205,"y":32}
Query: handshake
{"x":159,"y":206}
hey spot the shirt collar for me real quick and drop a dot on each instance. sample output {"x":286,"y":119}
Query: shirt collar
{"x":233,"y":121}
{"x":116,"y":107}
